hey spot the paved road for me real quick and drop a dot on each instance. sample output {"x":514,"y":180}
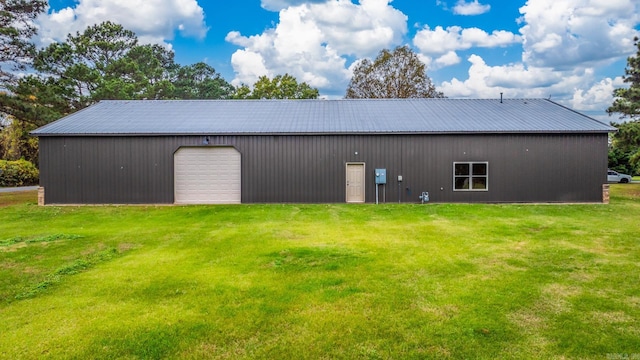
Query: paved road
{"x":16,"y":189}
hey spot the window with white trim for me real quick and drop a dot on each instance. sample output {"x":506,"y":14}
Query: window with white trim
{"x":471,"y":176}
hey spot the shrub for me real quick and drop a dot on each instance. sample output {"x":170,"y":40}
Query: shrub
{"x":18,"y":173}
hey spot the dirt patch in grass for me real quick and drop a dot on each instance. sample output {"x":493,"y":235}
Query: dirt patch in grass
{"x":561,"y":291}
{"x":533,"y":325}
{"x":31,"y":270}
{"x":596,"y":251}
{"x":527,"y":320}
{"x":633,"y":301}
{"x":92,"y":250}
{"x":554,"y":300}
{"x":582,"y":276}
{"x":611,"y":317}
{"x":13,"y":247}
{"x":8,"y":265}
{"x":442,"y":313}
{"x":16,"y":243}
{"x":122,"y":247}
{"x":289,"y":235}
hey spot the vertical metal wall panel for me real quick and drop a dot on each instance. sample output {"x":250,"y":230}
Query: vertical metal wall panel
{"x":311,"y":168}
{"x":48,"y":157}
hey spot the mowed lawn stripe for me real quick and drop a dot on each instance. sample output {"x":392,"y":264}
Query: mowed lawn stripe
{"x":323,"y":281}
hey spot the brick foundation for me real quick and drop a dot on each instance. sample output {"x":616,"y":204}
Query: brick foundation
{"x":40,"y":196}
{"x":605,"y":193}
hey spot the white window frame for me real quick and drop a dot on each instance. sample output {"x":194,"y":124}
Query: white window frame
{"x":471,"y":175}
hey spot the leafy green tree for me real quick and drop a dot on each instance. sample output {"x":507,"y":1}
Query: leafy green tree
{"x":74,"y":74}
{"x":16,"y":53}
{"x":201,"y":81}
{"x":16,"y":30}
{"x":103,"y":62}
{"x":393,"y":74}
{"x":16,"y":143}
{"x":142,"y":73}
{"x":94,"y":65}
{"x":625,"y":152}
{"x":36,"y":101}
{"x":33,"y":102}
{"x":280,"y":87}
{"x":627,"y":100}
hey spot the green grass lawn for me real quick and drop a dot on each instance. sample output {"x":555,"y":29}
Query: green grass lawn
{"x":321,"y":281}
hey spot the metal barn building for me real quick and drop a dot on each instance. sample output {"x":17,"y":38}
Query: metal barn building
{"x":323,"y":151}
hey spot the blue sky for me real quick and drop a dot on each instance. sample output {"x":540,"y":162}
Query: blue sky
{"x":573,"y":51}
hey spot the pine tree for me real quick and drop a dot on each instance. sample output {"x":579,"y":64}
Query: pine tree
{"x":16,"y":30}
{"x":625,"y":153}
{"x":627,"y":100}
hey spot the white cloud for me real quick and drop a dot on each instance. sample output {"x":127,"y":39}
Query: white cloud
{"x":277,"y":5}
{"x":154,"y":21}
{"x":563,"y":42}
{"x":514,"y":80}
{"x":470,"y":8}
{"x":250,"y":64}
{"x":576,"y":88}
{"x":445,"y":42}
{"x":440,"y":40}
{"x":448,"y":59}
{"x":597,"y":97}
{"x":563,"y":33}
{"x":311,"y":41}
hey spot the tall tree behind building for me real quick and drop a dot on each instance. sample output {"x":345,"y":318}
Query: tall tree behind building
{"x":393,"y":74}
{"x":16,"y":30}
{"x":624,"y":154}
{"x":280,"y":87}
{"x":104,"y":62}
{"x":16,"y":54}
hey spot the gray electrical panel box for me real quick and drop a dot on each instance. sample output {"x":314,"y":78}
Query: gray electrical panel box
{"x":381,"y":176}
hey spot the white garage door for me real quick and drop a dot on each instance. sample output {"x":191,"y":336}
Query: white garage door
{"x":207,"y":175}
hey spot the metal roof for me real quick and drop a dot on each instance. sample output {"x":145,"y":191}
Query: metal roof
{"x":370,"y":116}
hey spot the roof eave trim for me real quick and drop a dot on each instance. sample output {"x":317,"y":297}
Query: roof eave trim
{"x":151,"y":134}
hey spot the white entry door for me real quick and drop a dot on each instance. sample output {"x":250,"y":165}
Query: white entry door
{"x":355,"y":182}
{"x":207,"y":175}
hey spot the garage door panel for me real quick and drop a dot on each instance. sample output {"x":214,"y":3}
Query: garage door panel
{"x":207,"y":175}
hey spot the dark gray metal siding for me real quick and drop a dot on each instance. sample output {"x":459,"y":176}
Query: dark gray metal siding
{"x":311,"y":169}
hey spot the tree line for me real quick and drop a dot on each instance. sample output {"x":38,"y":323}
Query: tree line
{"x":106,"y":61}
{"x":624,"y":151}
